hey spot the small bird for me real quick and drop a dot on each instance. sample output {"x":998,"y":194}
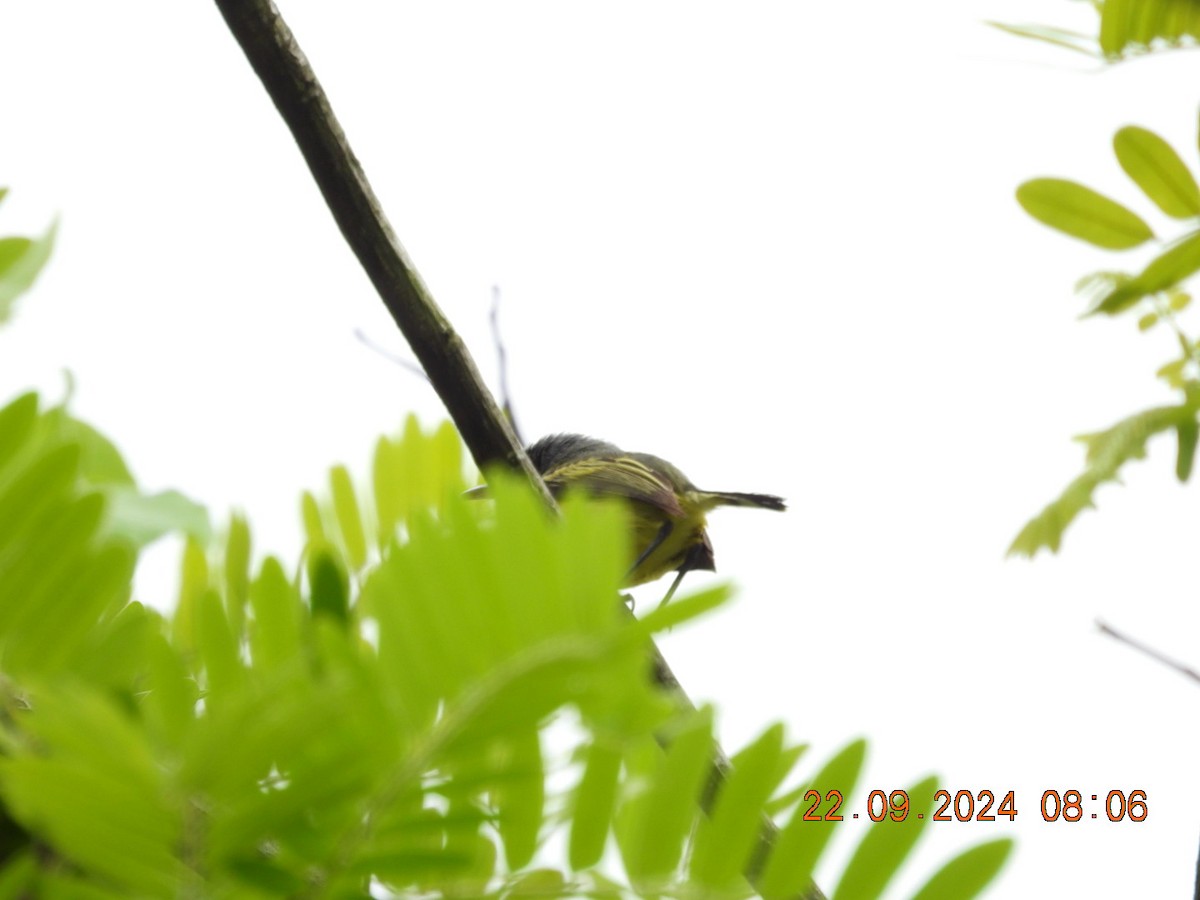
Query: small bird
{"x":667,"y":510}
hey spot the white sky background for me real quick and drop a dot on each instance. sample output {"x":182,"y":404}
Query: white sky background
{"x":774,"y":243}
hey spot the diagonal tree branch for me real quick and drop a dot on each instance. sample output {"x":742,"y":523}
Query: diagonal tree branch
{"x":292,"y":85}
{"x":280,"y":64}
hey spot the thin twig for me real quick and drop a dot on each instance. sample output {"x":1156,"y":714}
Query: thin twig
{"x":502,"y":363}
{"x":390,"y":356}
{"x":1148,"y":650}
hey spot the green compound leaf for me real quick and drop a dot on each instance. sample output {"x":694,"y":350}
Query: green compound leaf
{"x":1157,"y":169}
{"x":1107,"y":451}
{"x":1080,"y":212}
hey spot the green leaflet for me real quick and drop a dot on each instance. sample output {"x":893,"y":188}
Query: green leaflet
{"x":1080,"y":212}
{"x":1157,"y":169}
{"x":595,"y":799}
{"x":329,"y":583}
{"x":520,"y":796}
{"x":21,"y":261}
{"x":237,"y":569}
{"x":657,"y":817}
{"x":885,"y":846}
{"x":349,"y":518}
{"x":1107,"y":451}
{"x":1166,"y":270}
{"x":275,"y":630}
{"x":801,"y":842}
{"x":966,"y":875}
{"x":725,"y":839}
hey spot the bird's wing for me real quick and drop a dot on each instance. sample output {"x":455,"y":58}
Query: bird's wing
{"x":618,"y":476}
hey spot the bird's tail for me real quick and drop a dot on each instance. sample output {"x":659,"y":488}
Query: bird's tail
{"x":733,"y":498}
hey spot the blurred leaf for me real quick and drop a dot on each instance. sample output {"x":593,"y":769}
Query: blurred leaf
{"x":1165,"y":271}
{"x":193,"y":581}
{"x":21,"y":259}
{"x":237,"y":570}
{"x":789,"y":868}
{"x":787,"y":762}
{"x":275,"y":635}
{"x":520,"y":797}
{"x":17,"y":421}
{"x":387,"y":481}
{"x":329,"y":583}
{"x":170,"y":701}
{"x":349,"y":519}
{"x":1107,"y":451}
{"x":414,"y":473}
{"x":1187,"y":432}
{"x":18,"y":876}
{"x":1157,"y":169}
{"x":142,"y":519}
{"x":1071,"y":40}
{"x":657,"y":819}
{"x":966,"y":875}
{"x":594,"y":799}
{"x":538,"y":883}
{"x":885,"y":846}
{"x":271,"y":880}
{"x":99,"y":797}
{"x":1173,"y":372}
{"x":100,"y":462}
{"x":1179,"y":300}
{"x":219,"y":650}
{"x":113,"y":653}
{"x":1131,"y":26}
{"x":597,"y":886}
{"x":314,"y":529}
{"x":681,"y":610}
{"x":1096,"y":286}
{"x":726,"y":838}
{"x":1148,"y":321}
{"x":1081,"y":212}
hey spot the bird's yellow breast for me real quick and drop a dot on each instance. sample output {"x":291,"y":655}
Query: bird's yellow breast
{"x":687,"y":536}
